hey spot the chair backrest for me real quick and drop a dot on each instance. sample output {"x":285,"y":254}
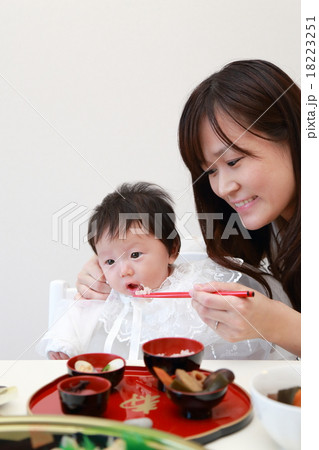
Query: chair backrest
{"x":60,"y":289}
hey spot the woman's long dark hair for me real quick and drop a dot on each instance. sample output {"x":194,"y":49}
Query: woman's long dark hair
{"x":263,"y":100}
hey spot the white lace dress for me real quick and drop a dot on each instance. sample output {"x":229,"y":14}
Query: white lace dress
{"x":121,"y":324}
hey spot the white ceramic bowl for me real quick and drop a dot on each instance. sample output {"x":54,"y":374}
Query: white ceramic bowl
{"x":283,"y":422}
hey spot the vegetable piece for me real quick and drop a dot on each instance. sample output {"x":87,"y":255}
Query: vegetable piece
{"x":178,"y":385}
{"x":116,"y":363}
{"x":287,"y":395}
{"x":200,"y":376}
{"x":83,"y":366}
{"x":297,"y":398}
{"x":215,"y":381}
{"x":188,"y":381}
{"x":228,"y":374}
{"x":163,"y":376}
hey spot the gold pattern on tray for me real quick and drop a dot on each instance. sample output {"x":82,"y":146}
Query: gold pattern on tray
{"x":141,"y":403}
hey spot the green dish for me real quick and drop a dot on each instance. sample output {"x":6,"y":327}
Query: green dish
{"x":21,"y":432}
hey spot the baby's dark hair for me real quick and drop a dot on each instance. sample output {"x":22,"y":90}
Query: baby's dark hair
{"x":140,"y":204}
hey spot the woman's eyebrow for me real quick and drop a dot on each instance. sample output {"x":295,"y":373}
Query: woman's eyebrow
{"x":216,"y":155}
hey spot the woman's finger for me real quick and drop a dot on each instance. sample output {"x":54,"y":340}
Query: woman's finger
{"x":90,"y":283}
{"x":84,"y":292}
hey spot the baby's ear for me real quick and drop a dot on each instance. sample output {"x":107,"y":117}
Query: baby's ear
{"x":174,"y":254}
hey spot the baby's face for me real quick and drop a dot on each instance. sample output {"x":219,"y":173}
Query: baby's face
{"x":133,"y":262}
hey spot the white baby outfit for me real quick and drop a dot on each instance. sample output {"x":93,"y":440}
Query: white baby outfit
{"x":122,"y":323}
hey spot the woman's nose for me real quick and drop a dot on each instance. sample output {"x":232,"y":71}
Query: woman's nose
{"x":226,"y":185}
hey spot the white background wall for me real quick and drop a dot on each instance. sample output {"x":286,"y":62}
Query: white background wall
{"x":90,"y":96}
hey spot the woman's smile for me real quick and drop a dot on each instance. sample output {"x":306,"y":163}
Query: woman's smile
{"x":240,"y":204}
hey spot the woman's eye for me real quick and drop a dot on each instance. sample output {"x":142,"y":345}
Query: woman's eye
{"x":135,"y":255}
{"x":210,"y":171}
{"x":234,"y":161}
{"x":109,"y":262}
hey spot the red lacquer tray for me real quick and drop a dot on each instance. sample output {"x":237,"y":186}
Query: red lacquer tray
{"x":137,"y":396}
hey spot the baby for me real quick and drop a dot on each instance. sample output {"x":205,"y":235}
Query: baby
{"x":134,"y":236}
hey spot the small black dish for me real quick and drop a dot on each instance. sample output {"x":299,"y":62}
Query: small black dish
{"x":196,"y":405}
{"x":169,"y":354}
{"x":84,"y":395}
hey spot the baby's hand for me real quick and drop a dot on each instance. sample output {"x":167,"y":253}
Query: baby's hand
{"x":57,"y":355}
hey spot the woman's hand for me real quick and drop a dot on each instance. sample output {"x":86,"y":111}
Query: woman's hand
{"x":57,"y":355}
{"x":91,"y":283}
{"x":236,"y":319}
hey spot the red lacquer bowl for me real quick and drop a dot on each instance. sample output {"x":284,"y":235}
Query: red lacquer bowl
{"x":98,"y":361}
{"x":167,"y":353}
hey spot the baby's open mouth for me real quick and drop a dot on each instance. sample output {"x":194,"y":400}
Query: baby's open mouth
{"x":137,"y":289}
{"x":134,"y":287}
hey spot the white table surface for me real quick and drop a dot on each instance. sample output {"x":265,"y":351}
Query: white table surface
{"x":28,"y":376}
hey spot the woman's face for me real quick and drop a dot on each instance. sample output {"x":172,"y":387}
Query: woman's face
{"x":259,"y":186}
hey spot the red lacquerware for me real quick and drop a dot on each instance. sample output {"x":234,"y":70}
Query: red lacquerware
{"x":98,"y":361}
{"x":84,"y":395}
{"x":137,"y":396}
{"x":165,"y":353}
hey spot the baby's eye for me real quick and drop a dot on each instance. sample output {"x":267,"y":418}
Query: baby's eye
{"x":109,"y":262}
{"x":135,"y":255}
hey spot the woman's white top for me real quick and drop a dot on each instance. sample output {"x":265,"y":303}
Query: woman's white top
{"x":121,"y":324}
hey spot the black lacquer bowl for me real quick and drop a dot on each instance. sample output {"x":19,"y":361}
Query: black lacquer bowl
{"x":84,"y":395}
{"x":196,"y":405}
{"x":169,"y":354}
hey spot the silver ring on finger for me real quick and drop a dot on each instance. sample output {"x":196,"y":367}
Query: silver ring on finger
{"x":216,"y":324}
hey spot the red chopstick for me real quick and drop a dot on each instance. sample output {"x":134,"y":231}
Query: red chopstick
{"x":186,"y":294}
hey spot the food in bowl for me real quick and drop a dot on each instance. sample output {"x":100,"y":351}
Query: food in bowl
{"x":282,"y":421}
{"x":45,"y":432}
{"x":291,"y":396}
{"x":104,"y":365}
{"x":195,"y":381}
{"x":85,"y":366}
{"x":169,"y":354}
{"x":181,"y":353}
{"x":71,"y":443}
{"x":196,"y":393}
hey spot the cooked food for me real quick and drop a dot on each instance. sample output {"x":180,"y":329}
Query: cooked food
{"x":145,"y":291}
{"x":69,"y":443}
{"x":83,"y":366}
{"x":291,"y":396}
{"x":195,"y":381}
{"x":116,"y":363}
{"x":181,"y":353}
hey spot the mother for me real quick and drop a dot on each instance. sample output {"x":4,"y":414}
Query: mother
{"x":239,"y":136}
